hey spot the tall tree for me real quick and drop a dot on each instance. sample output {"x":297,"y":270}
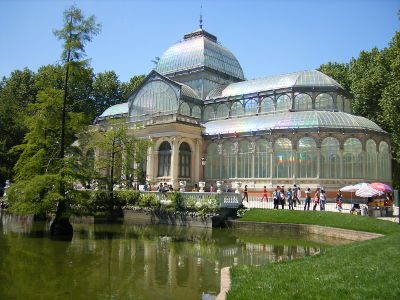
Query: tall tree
{"x":77,"y":31}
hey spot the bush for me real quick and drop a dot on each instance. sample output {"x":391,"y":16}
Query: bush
{"x":177,"y":201}
{"x":149,"y":200}
{"x":126,"y":197}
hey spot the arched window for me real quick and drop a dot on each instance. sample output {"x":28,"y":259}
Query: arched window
{"x":324,"y":101}
{"x":222,"y":111}
{"x":209,"y":113}
{"x":303,"y":102}
{"x":184,"y":160}
{"x":371,"y":159}
{"x":384,"y":161}
{"x":237,"y":109}
{"x":164,"y":159}
{"x":307,"y":150}
{"x":154,"y":97}
{"x":347,"y":105}
{"x":228,"y":161}
{"x":212,"y":168}
{"x":283,"y":158}
{"x":196,"y":112}
{"x":283,"y":103}
{"x":352,"y":159}
{"x":262,"y":159}
{"x":185,"y":109}
{"x":251,"y":107}
{"x":330,"y":162}
{"x":339,"y":102}
{"x":267,"y":105}
{"x":245,"y":161}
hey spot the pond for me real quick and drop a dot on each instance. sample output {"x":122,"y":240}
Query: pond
{"x":132,"y":262}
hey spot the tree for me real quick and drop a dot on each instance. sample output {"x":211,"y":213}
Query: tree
{"x":119,"y":157}
{"x":16,"y":93}
{"x":340,"y":72}
{"x":107,"y":91}
{"x":43,"y":172}
{"x":131,"y":85}
{"x":77,"y":31}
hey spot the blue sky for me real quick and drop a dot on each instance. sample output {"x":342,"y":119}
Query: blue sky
{"x":267,"y":37}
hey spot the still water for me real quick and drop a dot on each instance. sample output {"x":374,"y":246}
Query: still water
{"x":132,"y":262}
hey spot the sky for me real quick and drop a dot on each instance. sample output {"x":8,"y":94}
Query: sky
{"x":267,"y":37}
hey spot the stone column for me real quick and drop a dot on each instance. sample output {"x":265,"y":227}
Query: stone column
{"x":341,"y":163}
{"x":175,"y":163}
{"x":318,"y":175}
{"x":150,"y":164}
{"x":197,"y":173}
{"x":295,"y":164}
{"x":364,"y":163}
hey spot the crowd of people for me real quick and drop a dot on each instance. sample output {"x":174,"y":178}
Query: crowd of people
{"x":293,"y":196}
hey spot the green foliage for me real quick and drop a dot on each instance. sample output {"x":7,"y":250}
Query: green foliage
{"x":149,"y":200}
{"x":76,"y":32}
{"x":127,"y":197}
{"x":35,"y":195}
{"x":106,"y":91}
{"x":16,"y":93}
{"x":177,"y":202}
{"x":324,"y":218}
{"x":358,"y":267}
{"x":340,"y":72}
{"x":128,"y":87}
{"x":209,"y":205}
{"x":373,"y":81}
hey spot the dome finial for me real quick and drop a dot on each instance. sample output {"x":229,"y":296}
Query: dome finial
{"x":201,"y":17}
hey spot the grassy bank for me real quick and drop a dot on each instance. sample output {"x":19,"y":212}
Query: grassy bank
{"x":364,"y":270}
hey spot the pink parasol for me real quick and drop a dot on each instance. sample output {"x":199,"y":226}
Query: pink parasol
{"x":381,"y":187}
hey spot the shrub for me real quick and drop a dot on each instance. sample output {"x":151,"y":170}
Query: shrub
{"x":126,"y":197}
{"x":177,"y":201}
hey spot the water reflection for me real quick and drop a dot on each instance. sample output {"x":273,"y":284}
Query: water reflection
{"x":131,"y":262}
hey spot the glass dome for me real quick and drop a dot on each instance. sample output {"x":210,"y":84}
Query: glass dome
{"x":199,"y":49}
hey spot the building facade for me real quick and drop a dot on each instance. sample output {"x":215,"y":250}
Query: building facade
{"x":208,"y":123}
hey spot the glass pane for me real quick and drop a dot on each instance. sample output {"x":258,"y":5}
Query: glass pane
{"x":283,"y":103}
{"x":222,"y":111}
{"x":251,"y":107}
{"x":237,"y":109}
{"x":303,"y":102}
{"x":267,"y":105}
{"x":324,"y":101}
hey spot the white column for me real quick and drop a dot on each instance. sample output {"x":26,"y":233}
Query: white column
{"x":197,"y":162}
{"x":341,"y":162}
{"x":149,"y":164}
{"x":318,"y":163}
{"x":175,"y":163}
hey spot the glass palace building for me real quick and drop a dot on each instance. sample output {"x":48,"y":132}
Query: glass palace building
{"x":196,"y":106}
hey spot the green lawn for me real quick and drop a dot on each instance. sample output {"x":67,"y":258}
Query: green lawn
{"x":364,"y":270}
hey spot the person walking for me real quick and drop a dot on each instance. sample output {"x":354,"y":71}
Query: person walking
{"x":316,"y":199}
{"x":290,"y":198}
{"x":294,"y":195}
{"x":245,"y":195}
{"x":276,"y":198}
{"x":307,"y":201}
{"x":298,"y":195}
{"x":339,"y":197}
{"x":282,"y":199}
{"x":264,"y":194}
{"x":322,"y":199}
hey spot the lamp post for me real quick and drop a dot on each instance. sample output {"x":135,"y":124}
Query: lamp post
{"x":203,"y":163}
